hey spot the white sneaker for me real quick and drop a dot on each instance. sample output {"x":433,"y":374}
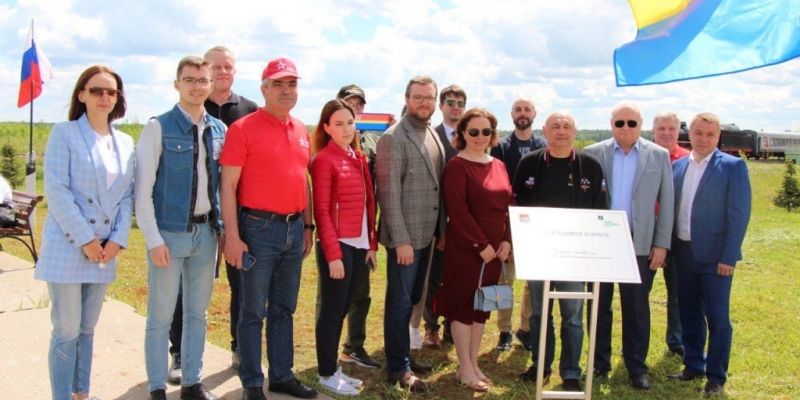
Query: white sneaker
{"x":416,"y":338}
{"x":356,"y":383}
{"x":337,"y":385}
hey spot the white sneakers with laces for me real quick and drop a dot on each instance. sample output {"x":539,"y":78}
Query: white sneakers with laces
{"x":341,"y":384}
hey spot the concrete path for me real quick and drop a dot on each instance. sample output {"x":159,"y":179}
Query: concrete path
{"x":118,"y":370}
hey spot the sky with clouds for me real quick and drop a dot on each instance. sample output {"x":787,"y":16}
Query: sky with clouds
{"x":558,"y":53}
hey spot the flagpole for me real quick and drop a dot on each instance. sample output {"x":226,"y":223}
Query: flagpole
{"x":30,"y":166}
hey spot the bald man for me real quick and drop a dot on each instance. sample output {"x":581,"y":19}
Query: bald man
{"x":510,"y":150}
{"x":564,"y":177}
{"x":638,"y":175}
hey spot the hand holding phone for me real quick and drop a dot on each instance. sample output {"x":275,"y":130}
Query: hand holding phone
{"x":248,"y":260}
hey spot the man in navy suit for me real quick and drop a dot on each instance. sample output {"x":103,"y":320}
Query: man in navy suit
{"x":712,"y":209}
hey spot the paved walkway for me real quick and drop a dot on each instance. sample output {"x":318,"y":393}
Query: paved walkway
{"x":118,"y":370}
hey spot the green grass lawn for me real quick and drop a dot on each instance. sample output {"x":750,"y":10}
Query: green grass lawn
{"x":765,"y":362}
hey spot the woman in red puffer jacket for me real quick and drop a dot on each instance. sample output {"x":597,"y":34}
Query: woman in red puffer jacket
{"x":344,"y":211}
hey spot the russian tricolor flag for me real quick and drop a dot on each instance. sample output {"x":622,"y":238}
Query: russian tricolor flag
{"x":36,"y":70}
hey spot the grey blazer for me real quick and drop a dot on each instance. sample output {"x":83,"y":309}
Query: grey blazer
{"x":652,"y":184}
{"x":449,"y":150}
{"x":409,"y":192}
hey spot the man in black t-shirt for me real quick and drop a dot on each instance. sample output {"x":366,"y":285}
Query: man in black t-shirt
{"x":563,"y":177}
{"x":228,"y":107}
{"x":510,"y":150}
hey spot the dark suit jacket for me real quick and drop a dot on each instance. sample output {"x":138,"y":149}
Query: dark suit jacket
{"x":720,"y":210}
{"x":449,"y":151}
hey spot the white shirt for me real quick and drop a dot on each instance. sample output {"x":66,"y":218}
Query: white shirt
{"x":450,"y":132}
{"x":105,"y":144}
{"x":6,"y":194}
{"x":694,"y":172}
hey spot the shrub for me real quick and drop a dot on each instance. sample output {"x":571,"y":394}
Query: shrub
{"x":789,"y":195}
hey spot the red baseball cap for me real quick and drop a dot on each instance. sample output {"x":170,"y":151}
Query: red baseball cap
{"x":278,"y":68}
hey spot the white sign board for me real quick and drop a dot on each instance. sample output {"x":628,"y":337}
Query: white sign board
{"x":564,"y":244}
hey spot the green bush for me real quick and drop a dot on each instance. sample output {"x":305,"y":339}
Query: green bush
{"x":10,"y":166}
{"x":789,"y":195}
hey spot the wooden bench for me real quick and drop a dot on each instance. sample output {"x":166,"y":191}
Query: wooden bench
{"x":24,"y":204}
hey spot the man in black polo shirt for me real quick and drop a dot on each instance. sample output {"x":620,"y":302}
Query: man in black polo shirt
{"x":228,"y":107}
{"x":559,"y":176}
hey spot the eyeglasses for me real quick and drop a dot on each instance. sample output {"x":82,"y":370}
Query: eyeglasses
{"x":428,"y":99}
{"x":485,"y":131}
{"x":202,"y":82}
{"x":356,"y":105}
{"x":98,"y":91}
{"x":452,"y":103}
{"x":631,"y":123}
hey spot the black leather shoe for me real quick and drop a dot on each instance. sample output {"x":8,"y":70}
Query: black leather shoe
{"x":174,"y":374}
{"x":572,"y":385}
{"x":253,"y":393}
{"x":712,"y":388}
{"x":419,"y":367}
{"x":530,"y":375}
{"x":678,"y":351}
{"x":601,"y":372}
{"x":158,"y":394}
{"x":686,"y":375}
{"x":525,"y":339}
{"x":505,"y":342}
{"x":293,"y":388}
{"x":196,"y":392}
{"x":640,"y":382}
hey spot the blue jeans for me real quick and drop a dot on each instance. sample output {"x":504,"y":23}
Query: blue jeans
{"x":268,"y":289}
{"x":571,"y":328}
{"x":192,"y":260}
{"x":404,"y":286}
{"x":705,"y":304}
{"x":74,"y":313}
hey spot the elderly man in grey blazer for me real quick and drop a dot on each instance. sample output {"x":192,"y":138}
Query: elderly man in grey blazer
{"x":638,"y":176}
{"x":409,"y":168}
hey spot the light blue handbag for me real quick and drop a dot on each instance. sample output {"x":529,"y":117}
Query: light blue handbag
{"x":495,"y":297}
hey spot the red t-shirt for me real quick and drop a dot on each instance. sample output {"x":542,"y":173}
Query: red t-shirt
{"x":274,"y":156}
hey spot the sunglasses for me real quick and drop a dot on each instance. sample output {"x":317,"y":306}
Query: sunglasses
{"x":452,"y":103}
{"x":485,"y":131}
{"x":631,"y":123}
{"x":98,"y":91}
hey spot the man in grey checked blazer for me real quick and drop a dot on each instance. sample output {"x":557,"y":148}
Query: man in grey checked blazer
{"x":410,"y":161}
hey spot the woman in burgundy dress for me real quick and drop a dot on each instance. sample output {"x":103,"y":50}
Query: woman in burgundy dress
{"x":477,"y":195}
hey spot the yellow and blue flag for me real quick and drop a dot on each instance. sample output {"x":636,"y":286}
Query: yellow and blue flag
{"x":687,"y":39}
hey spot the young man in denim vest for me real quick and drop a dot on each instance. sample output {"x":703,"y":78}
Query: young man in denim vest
{"x":177,"y":209}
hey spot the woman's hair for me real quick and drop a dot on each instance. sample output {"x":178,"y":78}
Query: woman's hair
{"x":461,"y":127}
{"x":321,"y":138}
{"x":78,"y":108}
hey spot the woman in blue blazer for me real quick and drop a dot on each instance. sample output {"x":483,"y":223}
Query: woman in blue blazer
{"x":88,"y":184}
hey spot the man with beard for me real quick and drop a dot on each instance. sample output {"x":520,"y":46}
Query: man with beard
{"x":409,"y":172}
{"x":510,"y":150}
{"x":452,"y":103}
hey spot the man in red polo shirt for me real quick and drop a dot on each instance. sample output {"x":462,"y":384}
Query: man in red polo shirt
{"x":265,"y":209}
{"x":666,"y":126}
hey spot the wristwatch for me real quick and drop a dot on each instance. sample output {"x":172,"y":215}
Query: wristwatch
{"x":310,"y":226}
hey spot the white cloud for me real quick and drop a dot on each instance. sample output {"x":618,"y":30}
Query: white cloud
{"x":559,"y":53}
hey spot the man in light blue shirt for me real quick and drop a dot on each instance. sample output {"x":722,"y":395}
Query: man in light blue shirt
{"x":638,"y":175}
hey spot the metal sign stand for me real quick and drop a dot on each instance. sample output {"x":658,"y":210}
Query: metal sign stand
{"x":594,"y":295}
